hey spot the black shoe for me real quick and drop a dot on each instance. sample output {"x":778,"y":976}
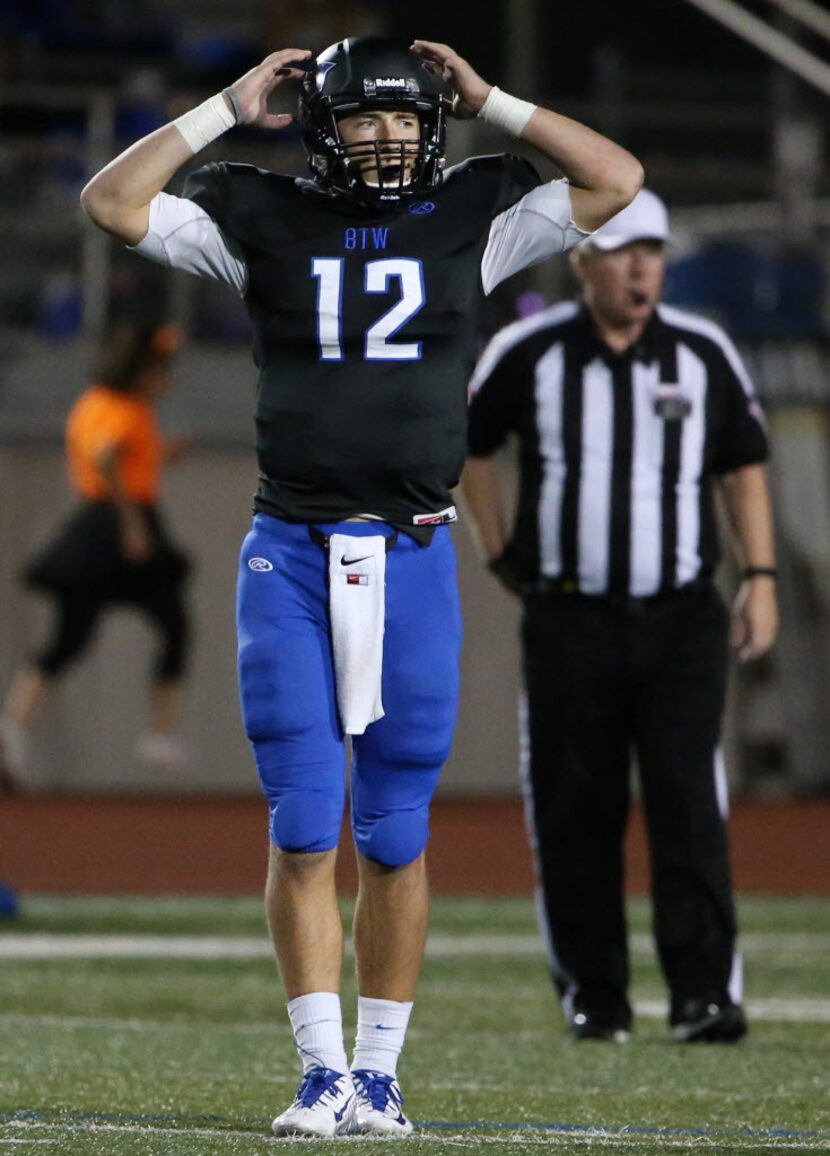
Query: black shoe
{"x":584,"y":1025}
{"x":707,"y":1021}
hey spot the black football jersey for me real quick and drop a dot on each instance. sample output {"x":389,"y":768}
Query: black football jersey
{"x":365,"y":327}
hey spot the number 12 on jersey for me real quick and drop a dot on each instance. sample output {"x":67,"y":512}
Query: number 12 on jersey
{"x":378,"y":274}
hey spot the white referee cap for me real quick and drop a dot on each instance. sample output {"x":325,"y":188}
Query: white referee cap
{"x":645,"y":219}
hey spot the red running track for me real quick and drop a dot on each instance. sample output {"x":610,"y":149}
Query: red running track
{"x":216,"y":845}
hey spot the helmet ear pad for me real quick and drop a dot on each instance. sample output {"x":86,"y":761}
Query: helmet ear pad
{"x":362,"y":73}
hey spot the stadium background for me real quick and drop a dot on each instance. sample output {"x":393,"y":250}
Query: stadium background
{"x":733,"y":142}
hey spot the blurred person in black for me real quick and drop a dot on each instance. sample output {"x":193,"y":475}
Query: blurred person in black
{"x":115,"y":548}
{"x":629,"y":415}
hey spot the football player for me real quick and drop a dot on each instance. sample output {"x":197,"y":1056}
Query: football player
{"x":362,"y":283}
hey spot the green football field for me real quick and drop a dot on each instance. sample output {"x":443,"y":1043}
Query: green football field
{"x":156,"y":1026}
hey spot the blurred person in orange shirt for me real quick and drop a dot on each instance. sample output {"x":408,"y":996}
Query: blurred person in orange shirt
{"x":114,"y":549}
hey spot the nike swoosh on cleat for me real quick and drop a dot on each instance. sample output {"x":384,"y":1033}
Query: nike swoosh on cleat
{"x":344,"y":561}
{"x":339,"y":1115}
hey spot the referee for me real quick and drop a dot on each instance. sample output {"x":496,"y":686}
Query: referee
{"x":629,"y":416}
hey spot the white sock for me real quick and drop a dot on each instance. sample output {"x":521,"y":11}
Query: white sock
{"x":317,"y":1022}
{"x":381,"y":1029}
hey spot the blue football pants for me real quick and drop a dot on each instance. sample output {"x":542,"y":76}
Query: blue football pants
{"x":287,"y":689}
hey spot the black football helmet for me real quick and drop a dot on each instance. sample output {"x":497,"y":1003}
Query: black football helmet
{"x":371,"y":72}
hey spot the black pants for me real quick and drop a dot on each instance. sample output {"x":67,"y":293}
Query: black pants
{"x":77,"y":615}
{"x":82,"y":568}
{"x":603,"y":679}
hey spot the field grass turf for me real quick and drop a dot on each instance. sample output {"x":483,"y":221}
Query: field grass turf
{"x":192,"y":1057}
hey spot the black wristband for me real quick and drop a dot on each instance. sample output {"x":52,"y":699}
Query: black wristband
{"x":760,"y":572}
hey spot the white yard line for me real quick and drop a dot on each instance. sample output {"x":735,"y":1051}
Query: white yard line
{"x":57,"y":946}
{"x":68,"y":947}
{"x":32,"y":946}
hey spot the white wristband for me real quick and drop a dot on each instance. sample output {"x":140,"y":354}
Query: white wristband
{"x":507,"y":112}
{"x":205,"y":122}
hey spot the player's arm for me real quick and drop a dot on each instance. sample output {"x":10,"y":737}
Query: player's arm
{"x":604,"y":177}
{"x":118,"y":198}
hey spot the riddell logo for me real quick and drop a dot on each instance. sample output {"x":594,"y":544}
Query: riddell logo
{"x":372,"y":88}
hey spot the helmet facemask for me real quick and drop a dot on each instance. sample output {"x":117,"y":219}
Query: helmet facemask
{"x":379,"y":76}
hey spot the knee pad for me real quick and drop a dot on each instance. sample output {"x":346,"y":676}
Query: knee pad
{"x":303,"y":820}
{"x":394,"y":840}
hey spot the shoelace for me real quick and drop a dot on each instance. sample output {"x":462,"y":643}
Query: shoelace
{"x":318,"y":1083}
{"x":380,"y":1090}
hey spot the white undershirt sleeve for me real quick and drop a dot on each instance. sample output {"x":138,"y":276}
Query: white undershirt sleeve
{"x":535,"y":228}
{"x":183,"y":236}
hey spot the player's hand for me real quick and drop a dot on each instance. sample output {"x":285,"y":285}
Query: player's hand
{"x":253,"y":89}
{"x":468,"y":91}
{"x":754,"y":618}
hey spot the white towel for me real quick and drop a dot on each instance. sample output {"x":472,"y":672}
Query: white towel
{"x":357,"y":573}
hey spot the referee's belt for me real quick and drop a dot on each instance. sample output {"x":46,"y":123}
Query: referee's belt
{"x":567,"y":588}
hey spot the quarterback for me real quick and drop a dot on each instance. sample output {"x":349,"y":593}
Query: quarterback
{"x":362,"y":283}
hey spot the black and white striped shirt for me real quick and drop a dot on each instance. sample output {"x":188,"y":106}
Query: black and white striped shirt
{"x":618,"y":452}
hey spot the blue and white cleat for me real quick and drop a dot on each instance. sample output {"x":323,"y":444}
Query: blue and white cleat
{"x":324,"y":1106}
{"x":379,"y":1106}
